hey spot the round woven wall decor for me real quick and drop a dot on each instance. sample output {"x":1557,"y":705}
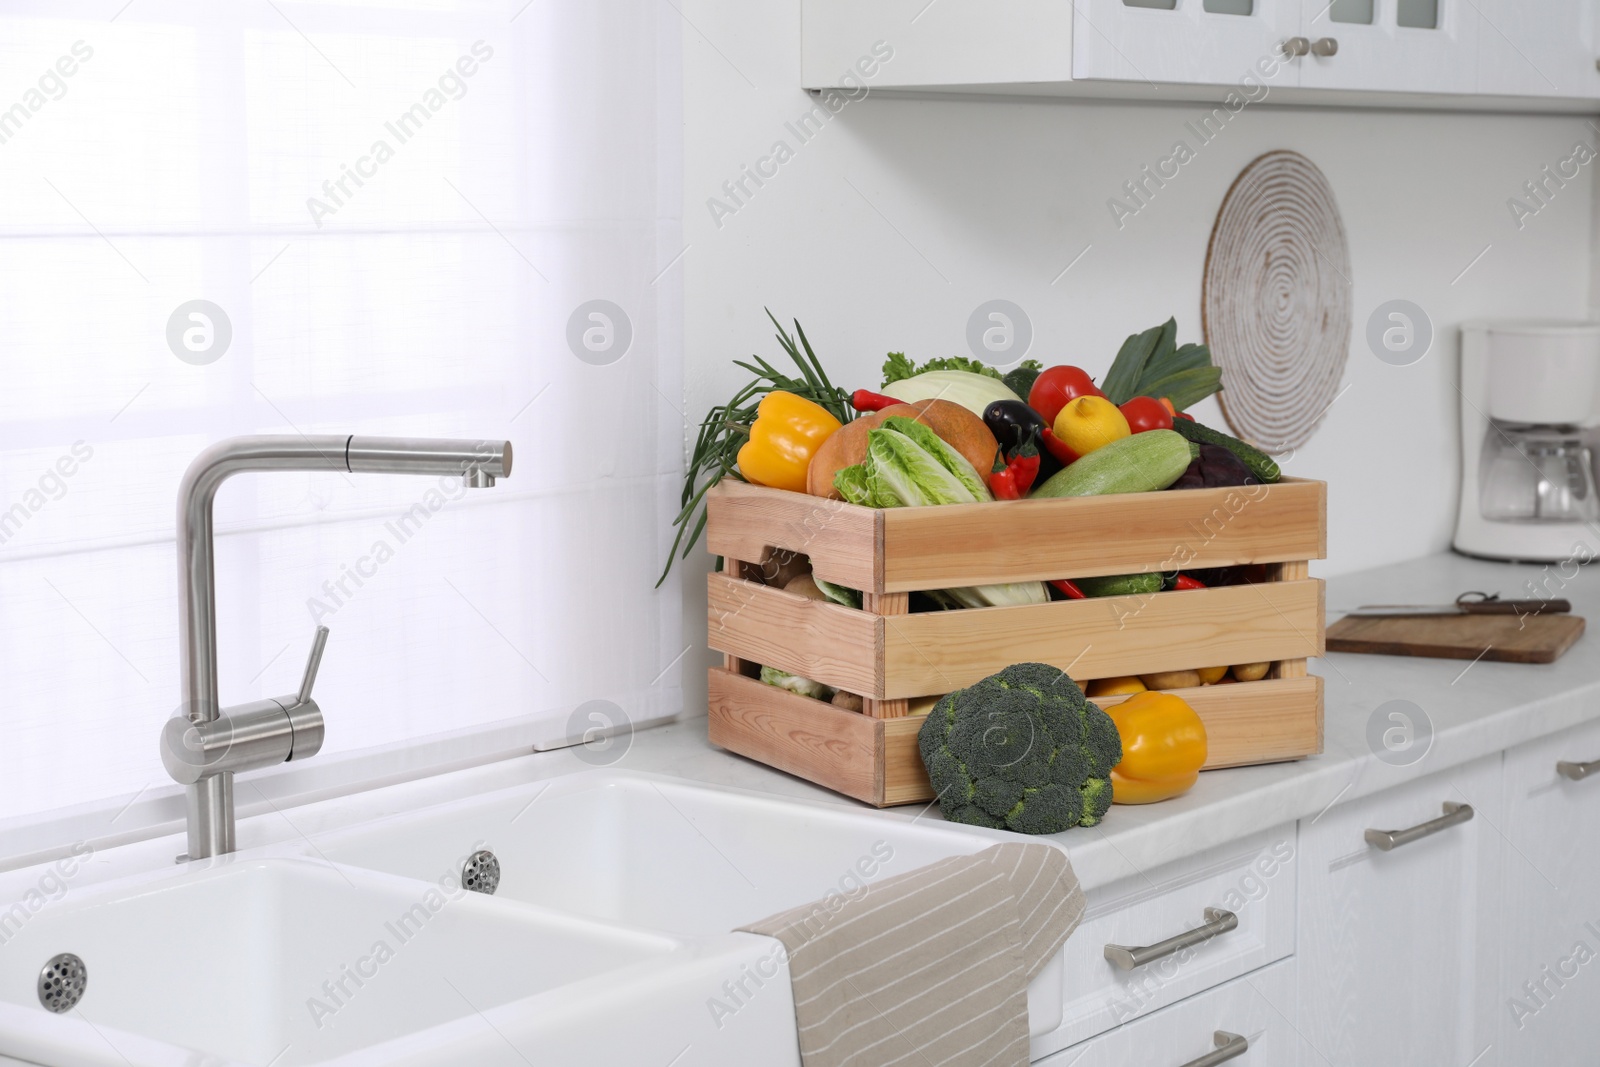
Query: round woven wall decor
{"x":1275,"y":303}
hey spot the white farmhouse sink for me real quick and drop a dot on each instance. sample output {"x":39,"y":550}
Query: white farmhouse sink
{"x":290,"y":962}
{"x":661,"y":854}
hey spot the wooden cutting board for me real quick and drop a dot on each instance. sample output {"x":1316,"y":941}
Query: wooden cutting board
{"x":1533,"y":639}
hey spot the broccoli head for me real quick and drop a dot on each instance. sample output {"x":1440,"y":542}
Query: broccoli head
{"x":1021,"y":750}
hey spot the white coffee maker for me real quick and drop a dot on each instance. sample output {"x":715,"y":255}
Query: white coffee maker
{"x":1529,"y":393}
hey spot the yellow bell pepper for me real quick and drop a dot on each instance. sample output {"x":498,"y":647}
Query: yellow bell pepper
{"x":1163,"y":748}
{"x":787,"y":432}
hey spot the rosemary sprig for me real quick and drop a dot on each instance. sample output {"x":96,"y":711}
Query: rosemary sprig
{"x":725,"y":427}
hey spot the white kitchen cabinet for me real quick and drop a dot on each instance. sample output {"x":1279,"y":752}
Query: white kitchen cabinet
{"x":1469,"y":54}
{"x":1548,"y":49}
{"x":1390,"y":944}
{"x":1373,"y":48}
{"x":1257,"y":1007}
{"x":1252,"y":880}
{"x":1546,"y":989}
{"x":1197,"y":42}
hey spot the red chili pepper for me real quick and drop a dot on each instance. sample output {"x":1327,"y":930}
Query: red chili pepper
{"x":1183,"y":415}
{"x":1071,"y":590}
{"x":1003,"y":480}
{"x":1183,"y":581}
{"x":867,"y":400}
{"x":1057,"y":448}
{"x":1011,"y":479}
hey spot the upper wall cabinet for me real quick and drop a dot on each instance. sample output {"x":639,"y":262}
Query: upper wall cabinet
{"x":1196,"y":42}
{"x":1408,"y":46}
{"x":1469,"y":54}
{"x":1538,"y":49}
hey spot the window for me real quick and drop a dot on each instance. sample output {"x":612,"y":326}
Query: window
{"x":1418,"y":14}
{"x":427,"y":218}
{"x":1356,"y":11}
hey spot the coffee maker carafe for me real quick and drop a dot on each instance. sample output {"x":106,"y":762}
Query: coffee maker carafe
{"x":1528,"y":397}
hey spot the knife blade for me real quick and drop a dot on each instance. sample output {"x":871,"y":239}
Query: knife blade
{"x":1484,"y":605}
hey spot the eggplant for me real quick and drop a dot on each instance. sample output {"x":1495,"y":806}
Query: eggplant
{"x":1013,"y":423}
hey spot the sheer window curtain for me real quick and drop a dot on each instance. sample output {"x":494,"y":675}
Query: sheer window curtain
{"x":427,"y":218}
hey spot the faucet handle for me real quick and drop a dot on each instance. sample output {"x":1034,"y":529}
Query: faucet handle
{"x":315,"y":661}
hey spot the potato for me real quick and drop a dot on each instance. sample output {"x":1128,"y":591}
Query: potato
{"x":1212,"y":675}
{"x":806,"y":586}
{"x":847,"y":701}
{"x":1106,"y":687}
{"x":1250,"y":672}
{"x":1171,"y":680}
{"x":779,"y":566}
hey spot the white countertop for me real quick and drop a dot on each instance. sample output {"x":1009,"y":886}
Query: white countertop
{"x":1476,"y":709}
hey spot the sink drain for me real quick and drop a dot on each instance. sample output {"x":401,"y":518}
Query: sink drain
{"x":481,"y":872}
{"x":62,"y":983}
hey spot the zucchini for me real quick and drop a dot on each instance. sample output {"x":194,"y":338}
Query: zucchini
{"x":1260,"y":464}
{"x":1120,"y":584}
{"x":1141,"y":463}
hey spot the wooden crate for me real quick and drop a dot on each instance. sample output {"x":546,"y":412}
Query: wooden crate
{"x":893,"y":657}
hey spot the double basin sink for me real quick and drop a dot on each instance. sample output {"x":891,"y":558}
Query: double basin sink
{"x":607,"y":938}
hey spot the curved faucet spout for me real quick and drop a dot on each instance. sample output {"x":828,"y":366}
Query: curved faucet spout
{"x":478,"y":463}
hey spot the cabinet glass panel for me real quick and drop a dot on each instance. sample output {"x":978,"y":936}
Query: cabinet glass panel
{"x":1418,"y":14}
{"x":1230,"y":7}
{"x":1163,"y":5}
{"x":1358,"y":11}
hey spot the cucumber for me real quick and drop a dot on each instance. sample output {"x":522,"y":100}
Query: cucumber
{"x":1120,"y":584}
{"x":1260,"y":464}
{"x":1141,"y":463}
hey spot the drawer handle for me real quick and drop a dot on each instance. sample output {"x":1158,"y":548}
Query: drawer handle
{"x":1228,"y":1047}
{"x":1388,"y":840}
{"x":1301,"y":46}
{"x":1128,"y":957}
{"x":1325,"y":46}
{"x":1577,"y":772}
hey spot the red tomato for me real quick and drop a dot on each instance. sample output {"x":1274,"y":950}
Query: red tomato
{"x":1146,"y":413}
{"x":1055,"y":387}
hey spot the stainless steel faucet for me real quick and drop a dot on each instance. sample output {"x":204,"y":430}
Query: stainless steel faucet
{"x":205,"y":743}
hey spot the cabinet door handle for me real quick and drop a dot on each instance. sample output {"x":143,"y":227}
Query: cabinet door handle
{"x":1127,"y":957}
{"x":1577,"y":772}
{"x":1228,"y":1047}
{"x":1300,"y":46}
{"x":1388,"y":840}
{"x":1325,"y":46}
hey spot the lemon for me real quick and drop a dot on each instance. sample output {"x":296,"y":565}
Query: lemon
{"x":1088,"y":423}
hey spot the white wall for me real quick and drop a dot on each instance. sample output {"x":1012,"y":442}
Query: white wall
{"x":888,"y":228}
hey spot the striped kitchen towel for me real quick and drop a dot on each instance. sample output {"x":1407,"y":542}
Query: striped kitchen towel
{"x":929,"y":968}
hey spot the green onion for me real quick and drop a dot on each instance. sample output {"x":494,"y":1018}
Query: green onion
{"x":725,"y":427}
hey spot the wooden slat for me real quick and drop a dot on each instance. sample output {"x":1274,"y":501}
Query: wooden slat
{"x":905,"y":779}
{"x":841,"y":750}
{"x":1246,"y":723}
{"x":829,"y":643}
{"x":733,"y":568}
{"x":884,"y":604}
{"x":1255,"y":722}
{"x":979,"y":544}
{"x":843,"y":541}
{"x":936,"y":652}
{"x":877,"y":761}
{"x":1291,"y":571}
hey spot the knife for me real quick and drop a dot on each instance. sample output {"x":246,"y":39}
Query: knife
{"x":1473,"y":603}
